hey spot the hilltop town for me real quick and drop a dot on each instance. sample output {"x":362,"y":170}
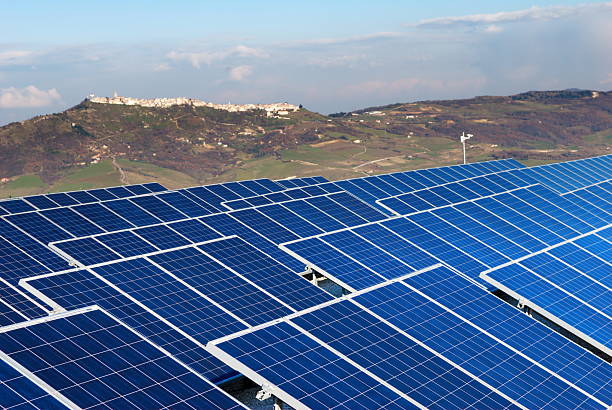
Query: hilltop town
{"x":270,"y":109}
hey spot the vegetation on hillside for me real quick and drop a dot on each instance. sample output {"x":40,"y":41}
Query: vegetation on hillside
{"x":99,"y":144}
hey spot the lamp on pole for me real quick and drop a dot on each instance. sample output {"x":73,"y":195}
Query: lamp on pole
{"x":464,"y":137}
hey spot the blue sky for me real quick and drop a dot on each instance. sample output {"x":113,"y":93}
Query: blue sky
{"x":329,"y":56}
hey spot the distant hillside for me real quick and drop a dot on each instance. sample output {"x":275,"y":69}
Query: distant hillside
{"x":95,"y":144}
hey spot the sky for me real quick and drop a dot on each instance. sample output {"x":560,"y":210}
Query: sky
{"x":329,"y":56}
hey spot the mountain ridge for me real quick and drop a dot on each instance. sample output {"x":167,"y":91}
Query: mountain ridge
{"x":205,"y":144}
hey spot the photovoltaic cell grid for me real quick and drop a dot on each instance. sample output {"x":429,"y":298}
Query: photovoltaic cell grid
{"x":426,"y":338}
{"x":96,"y":362}
{"x":203,"y":292}
{"x":19,"y":392}
{"x":32,"y":231}
{"x":572,"y":175}
{"x":82,"y":288}
{"x":264,"y":227}
{"x":471,"y":237}
{"x":568,"y":283}
{"x":60,"y":199}
{"x":370,"y":189}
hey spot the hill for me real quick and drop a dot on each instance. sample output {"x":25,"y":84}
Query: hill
{"x":96,"y":144}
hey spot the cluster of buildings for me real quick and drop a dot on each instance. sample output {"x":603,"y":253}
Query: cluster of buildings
{"x":271,"y":109}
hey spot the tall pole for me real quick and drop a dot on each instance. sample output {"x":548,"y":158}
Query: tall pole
{"x":464,"y":137}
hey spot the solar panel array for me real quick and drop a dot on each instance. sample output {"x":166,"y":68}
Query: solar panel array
{"x":211,"y":280}
{"x":88,"y":359}
{"x":429,"y":346}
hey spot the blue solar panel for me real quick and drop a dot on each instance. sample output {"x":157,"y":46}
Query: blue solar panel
{"x":14,"y":206}
{"x":170,"y":299}
{"x":236,"y":294}
{"x":122,"y":192}
{"x":568,"y":284}
{"x":62,"y":199}
{"x":32,"y":247}
{"x":15,"y":264}
{"x":228,"y":226}
{"x":314,"y":216}
{"x":194,"y":230}
{"x":207,"y":196}
{"x":383,"y":350}
{"x":135,"y":190}
{"x":101,"y":194}
{"x":87,"y":251}
{"x":103,"y":217}
{"x":19,"y":392}
{"x":82,"y":197}
{"x":518,"y":330}
{"x":126,"y":243}
{"x":41,"y":201}
{"x":482,"y":354}
{"x":337,"y":384}
{"x":71,"y":222}
{"x":38,"y":227}
{"x":82,"y":288}
{"x":264,"y":225}
{"x":162,"y":237}
{"x":239,"y":189}
{"x":95,"y":361}
{"x":296,"y":224}
{"x":158,"y":208}
{"x":154,"y":187}
{"x":17,"y":306}
{"x":183,"y":204}
{"x":267,"y":273}
{"x":131,"y":212}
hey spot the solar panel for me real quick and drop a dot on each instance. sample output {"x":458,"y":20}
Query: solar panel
{"x":38,"y":227}
{"x":241,"y":297}
{"x":228,"y":226}
{"x":131,"y":212}
{"x":472,"y":236}
{"x":425,"y":336}
{"x":566,"y":283}
{"x":102,"y":217}
{"x":266,"y":272}
{"x":81,"y":288}
{"x":86,"y":251}
{"x":126,"y":243}
{"x":324,"y":380}
{"x":102,"y":194}
{"x":158,"y":208}
{"x":20,"y":392}
{"x":162,"y":237}
{"x":41,"y":201}
{"x":122,"y":192}
{"x":183,"y":204}
{"x":71,"y":222}
{"x":32,"y":247}
{"x":194,"y":230}
{"x":82,"y":197}
{"x":14,"y":206}
{"x":95,"y":361}
{"x":62,"y":199}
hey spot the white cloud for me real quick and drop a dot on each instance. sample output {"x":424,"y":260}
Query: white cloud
{"x":493,"y":28}
{"x":240,"y":73}
{"x":161,"y":67}
{"x":207,"y":57}
{"x":13,"y":57}
{"x":28,"y":97}
{"x":530,"y":14}
{"x":365,"y":38}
